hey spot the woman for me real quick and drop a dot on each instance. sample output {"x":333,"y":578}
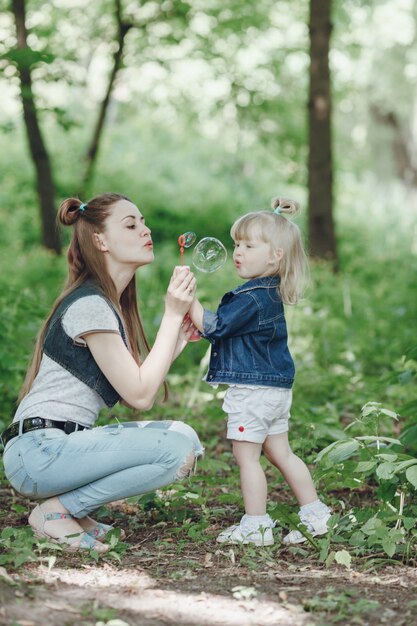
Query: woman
{"x":92,"y":352}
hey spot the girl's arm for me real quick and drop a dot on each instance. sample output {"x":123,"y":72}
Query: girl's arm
{"x":138,"y":385}
{"x":196,"y":314}
{"x":238,"y":315}
{"x":186,"y":330}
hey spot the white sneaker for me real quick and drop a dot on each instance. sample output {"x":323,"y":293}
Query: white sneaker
{"x":235,"y":534}
{"x":316,"y":524}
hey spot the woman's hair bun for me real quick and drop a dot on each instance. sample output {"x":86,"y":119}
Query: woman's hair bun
{"x":286,"y":206}
{"x":69,"y":211}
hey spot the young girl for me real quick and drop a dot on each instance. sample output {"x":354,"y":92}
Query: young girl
{"x":249,"y":353}
{"x":92,"y":352}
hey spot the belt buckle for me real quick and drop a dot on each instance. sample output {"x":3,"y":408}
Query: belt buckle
{"x":36,"y":422}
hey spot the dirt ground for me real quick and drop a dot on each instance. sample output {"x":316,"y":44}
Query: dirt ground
{"x":289,"y":595}
{"x":184,"y":583}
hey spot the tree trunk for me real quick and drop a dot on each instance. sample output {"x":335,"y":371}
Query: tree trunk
{"x":320,"y":170}
{"x":38,"y":151}
{"x":402,"y":144}
{"x":91,"y":155}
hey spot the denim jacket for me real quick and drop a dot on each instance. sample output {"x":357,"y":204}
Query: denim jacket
{"x":78,"y":360}
{"x":249,"y":337}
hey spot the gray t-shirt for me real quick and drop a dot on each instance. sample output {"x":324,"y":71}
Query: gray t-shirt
{"x":57,"y":394}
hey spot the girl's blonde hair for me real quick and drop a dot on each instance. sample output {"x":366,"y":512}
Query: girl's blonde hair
{"x":274,"y":228}
{"x":86,"y":262}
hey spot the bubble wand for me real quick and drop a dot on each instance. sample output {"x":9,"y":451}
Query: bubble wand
{"x":186,"y":240}
{"x":208,"y":256}
{"x":181,"y":243}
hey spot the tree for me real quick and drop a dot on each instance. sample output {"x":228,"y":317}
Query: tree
{"x":320,"y":168}
{"x":176,"y":13}
{"x":92,"y":151}
{"x":402,"y":145}
{"x":64,"y":65}
{"x":24,"y":58}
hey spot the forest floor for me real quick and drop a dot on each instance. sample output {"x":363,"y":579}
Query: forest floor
{"x":166,"y":578}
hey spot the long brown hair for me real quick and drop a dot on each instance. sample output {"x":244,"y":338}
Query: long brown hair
{"x":86,"y":262}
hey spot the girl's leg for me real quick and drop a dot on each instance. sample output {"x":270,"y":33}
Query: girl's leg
{"x":252,"y":478}
{"x":255,"y":527}
{"x":296,"y":473}
{"x":313,"y":513}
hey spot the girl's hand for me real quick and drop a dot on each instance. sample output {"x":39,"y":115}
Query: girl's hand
{"x":186,"y":331}
{"x":180,"y":293}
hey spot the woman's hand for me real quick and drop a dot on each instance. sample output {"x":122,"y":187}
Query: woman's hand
{"x":180,"y":293}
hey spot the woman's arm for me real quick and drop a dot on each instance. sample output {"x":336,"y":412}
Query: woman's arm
{"x":138,"y":385}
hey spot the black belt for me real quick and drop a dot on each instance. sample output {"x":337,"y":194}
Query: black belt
{"x":36,"y":423}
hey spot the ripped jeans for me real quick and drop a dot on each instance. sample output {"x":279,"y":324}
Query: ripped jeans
{"x":89,"y":468}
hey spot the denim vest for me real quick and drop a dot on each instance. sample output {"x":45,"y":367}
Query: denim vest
{"x":249,"y":337}
{"x":76,"y":359}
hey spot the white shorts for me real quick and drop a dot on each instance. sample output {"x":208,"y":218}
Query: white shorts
{"x":257,"y":412}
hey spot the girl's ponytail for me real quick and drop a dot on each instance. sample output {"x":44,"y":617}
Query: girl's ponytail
{"x":285,"y":206}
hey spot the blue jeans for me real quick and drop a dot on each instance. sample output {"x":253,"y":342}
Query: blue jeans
{"x":89,"y":468}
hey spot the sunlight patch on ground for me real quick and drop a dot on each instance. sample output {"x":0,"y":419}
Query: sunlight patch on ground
{"x":137,"y":594}
{"x":97,"y":577}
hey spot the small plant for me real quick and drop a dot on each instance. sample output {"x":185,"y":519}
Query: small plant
{"x":378,"y":462}
{"x":19,"y":545}
{"x":338,"y":607}
{"x":104,"y":614}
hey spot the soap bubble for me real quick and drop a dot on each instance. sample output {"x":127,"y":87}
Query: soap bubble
{"x":187,"y":239}
{"x":209,"y":255}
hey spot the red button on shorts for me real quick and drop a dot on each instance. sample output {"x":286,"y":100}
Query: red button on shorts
{"x":241,"y":429}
